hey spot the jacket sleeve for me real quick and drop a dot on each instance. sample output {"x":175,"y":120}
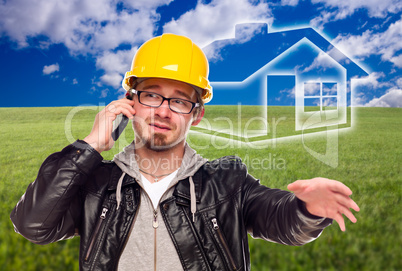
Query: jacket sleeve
{"x":49,"y":210}
{"x":278,"y":216}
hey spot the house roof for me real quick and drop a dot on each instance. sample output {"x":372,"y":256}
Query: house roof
{"x":241,"y":57}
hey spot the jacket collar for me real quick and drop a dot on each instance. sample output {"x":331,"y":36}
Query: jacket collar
{"x":182,"y":190}
{"x":115,"y":176}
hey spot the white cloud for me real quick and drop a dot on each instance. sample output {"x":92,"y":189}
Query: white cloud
{"x":104,"y":93}
{"x":112,"y":79}
{"x":320,"y":21}
{"x":115,"y":64}
{"x":292,"y":3}
{"x":338,"y":10}
{"x":95,"y":27}
{"x":399,"y":82}
{"x":216,"y":20}
{"x":392,"y":98}
{"x":89,"y":26}
{"x":75,"y":81}
{"x":322,"y":62}
{"x":329,"y":102}
{"x":373,"y":81}
{"x":344,"y":9}
{"x":377,"y":82}
{"x":98,"y":27}
{"x":243,"y":33}
{"x":119,"y":61}
{"x":397,"y":60}
{"x":51,"y":69}
{"x":290,"y":93}
{"x":312,"y":88}
{"x":83,"y":26}
{"x":387,"y":44}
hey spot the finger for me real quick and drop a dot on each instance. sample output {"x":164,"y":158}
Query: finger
{"x":349,"y":215}
{"x":129,"y":107}
{"x":117,"y":109}
{"x":354,"y":206}
{"x":125,"y":99}
{"x":347,"y":212}
{"x":125,"y":112}
{"x":339,"y":187}
{"x":124,"y":102}
{"x":339,"y":219}
{"x":347,"y":202}
{"x":111,"y":108}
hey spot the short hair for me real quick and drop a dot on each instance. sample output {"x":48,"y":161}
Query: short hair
{"x":198,"y":92}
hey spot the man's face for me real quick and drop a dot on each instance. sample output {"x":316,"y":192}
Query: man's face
{"x":160,"y":128}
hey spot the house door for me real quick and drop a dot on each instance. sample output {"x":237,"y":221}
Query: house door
{"x":281,"y":105}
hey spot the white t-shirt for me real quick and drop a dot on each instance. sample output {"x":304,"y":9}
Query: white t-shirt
{"x":156,"y":190}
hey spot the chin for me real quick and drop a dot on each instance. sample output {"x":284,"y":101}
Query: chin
{"x":159,"y":143}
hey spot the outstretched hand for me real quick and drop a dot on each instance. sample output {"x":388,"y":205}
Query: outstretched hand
{"x":326,"y":198}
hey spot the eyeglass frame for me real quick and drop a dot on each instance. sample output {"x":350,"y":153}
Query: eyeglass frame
{"x":138,"y":92}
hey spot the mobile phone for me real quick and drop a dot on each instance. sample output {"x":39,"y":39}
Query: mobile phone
{"x":123,"y":123}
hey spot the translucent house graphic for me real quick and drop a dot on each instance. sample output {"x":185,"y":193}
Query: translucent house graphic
{"x":298,"y":68}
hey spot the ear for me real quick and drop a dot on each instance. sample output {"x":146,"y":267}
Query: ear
{"x":199,"y":117}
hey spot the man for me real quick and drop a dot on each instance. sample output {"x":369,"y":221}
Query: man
{"x":159,"y":205}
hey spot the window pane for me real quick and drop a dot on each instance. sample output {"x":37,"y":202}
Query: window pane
{"x":311,"y":104}
{"x":329,"y":89}
{"x":312,"y":89}
{"x":329,"y":103}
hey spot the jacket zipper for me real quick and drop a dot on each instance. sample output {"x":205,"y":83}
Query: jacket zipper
{"x":96,"y":232}
{"x":223,"y":242}
{"x":155,"y":225}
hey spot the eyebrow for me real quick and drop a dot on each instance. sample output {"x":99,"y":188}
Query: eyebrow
{"x":150,"y":87}
{"x":182,"y":93}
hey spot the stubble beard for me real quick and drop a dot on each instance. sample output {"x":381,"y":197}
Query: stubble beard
{"x":154,"y":141}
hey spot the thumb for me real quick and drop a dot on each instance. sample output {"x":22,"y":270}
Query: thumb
{"x":294,"y":186}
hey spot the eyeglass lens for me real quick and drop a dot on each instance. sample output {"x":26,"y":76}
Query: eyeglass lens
{"x":156,"y":100}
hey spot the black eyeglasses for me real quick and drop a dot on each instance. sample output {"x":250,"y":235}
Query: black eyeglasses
{"x":177,"y":105}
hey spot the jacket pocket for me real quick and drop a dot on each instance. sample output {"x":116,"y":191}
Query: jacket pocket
{"x":222,"y":241}
{"x":95,"y":235}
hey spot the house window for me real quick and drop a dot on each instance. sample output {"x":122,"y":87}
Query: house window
{"x":320,"y":96}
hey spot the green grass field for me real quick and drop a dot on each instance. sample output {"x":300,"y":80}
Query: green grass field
{"x":369,"y":162}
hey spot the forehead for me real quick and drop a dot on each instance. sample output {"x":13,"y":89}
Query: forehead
{"x":167,"y":87}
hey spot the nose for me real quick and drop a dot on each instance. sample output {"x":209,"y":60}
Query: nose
{"x":163,"y":111}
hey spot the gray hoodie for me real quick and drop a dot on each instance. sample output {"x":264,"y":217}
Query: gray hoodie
{"x":149,"y":246}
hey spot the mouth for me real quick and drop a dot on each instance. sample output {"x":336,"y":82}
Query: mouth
{"x":160,"y":127}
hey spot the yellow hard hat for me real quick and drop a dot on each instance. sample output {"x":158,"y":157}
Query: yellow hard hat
{"x":172,"y":57}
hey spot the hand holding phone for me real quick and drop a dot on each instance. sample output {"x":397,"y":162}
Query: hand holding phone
{"x":102,"y":136}
{"x":124,"y":121}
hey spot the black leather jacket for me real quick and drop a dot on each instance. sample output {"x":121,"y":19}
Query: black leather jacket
{"x":75,"y":194}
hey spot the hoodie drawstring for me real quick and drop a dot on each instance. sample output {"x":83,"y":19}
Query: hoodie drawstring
{"x":118,"y":190}
{"x":193,"y":201}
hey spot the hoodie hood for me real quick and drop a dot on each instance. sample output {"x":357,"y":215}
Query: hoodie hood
{"x":127,"y":162}
{"x":191,"y":162}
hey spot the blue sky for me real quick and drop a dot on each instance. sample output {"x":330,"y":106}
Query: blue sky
{"x":69,"y":53}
